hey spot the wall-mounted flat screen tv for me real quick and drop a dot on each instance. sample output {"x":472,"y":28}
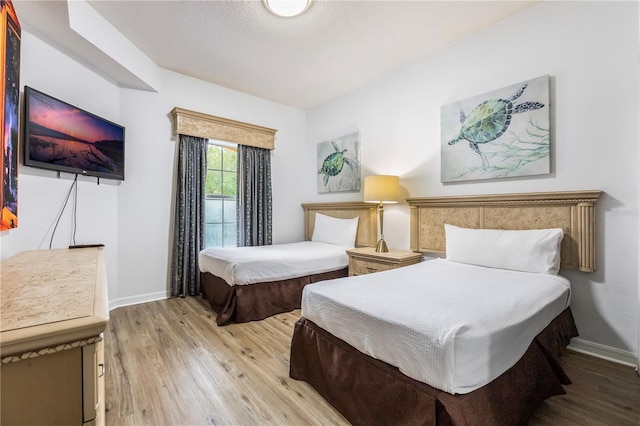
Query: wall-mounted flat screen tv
{"x":59,"y":136}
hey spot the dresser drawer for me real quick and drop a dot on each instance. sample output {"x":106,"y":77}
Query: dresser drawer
{"x":361,"y":267}
{"x":366,"y":260}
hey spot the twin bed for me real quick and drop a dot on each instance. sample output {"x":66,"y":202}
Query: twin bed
{"x":252,"y":283}
{"x":470,"y":339}
{"x":447,"y":341}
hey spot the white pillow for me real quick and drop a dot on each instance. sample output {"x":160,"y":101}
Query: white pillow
{"x":332,"y":230}
{"x":533,"y":250}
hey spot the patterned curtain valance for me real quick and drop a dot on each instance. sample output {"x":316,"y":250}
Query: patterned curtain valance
{"x":207,"y":126}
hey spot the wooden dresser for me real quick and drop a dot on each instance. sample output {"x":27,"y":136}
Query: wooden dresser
{"x":53,"y":313}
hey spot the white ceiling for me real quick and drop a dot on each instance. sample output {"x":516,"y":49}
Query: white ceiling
{"x":333,"y":48}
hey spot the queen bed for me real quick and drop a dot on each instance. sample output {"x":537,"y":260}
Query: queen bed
{"x":470,"y":339}
{"x":252,"y":283}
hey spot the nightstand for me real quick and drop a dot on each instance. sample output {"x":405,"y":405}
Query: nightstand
{"x":366,"y":260}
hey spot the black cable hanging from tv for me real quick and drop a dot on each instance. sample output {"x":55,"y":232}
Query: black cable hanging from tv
{"x":75,"y":209}
{"x":64,"y":205}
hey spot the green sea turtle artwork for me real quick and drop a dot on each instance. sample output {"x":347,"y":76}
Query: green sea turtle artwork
{"x":334,"y":163}
{"x":489,"y":120}
{"x":338,"y":164}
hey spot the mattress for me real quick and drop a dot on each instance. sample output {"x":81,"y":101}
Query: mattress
{"x":250,"y":265}
{"x":453,"y":326}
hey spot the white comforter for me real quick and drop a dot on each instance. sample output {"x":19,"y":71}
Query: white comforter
{"x":249,"y":265}
{"x":453,"y":326}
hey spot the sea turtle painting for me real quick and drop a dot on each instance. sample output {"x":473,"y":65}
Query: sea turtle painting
{"x":338,"y":164}
{"x":334,"y":163}
{"x":490,"y":119}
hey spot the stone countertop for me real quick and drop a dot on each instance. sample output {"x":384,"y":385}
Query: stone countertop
{"x":48,"y":292}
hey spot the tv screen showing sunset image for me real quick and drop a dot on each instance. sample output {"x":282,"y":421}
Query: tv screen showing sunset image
{"x":60,"y":136}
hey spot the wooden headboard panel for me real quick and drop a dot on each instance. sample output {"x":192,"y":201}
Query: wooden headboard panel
{"x":367,"y":224}
{"x":573,"y":211}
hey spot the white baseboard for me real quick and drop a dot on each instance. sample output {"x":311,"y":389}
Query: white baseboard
{"x":134,"y":300}
{"x":605,"y":352}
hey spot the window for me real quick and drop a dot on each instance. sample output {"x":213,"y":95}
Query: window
{"x":220,"y":195}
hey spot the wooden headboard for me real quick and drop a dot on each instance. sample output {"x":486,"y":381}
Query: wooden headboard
{"x":367,"y":224}
{"x":573,"y":211}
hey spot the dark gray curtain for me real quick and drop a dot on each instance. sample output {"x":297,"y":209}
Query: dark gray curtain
{"x":254,"y":196}
{"x":188,"y":233}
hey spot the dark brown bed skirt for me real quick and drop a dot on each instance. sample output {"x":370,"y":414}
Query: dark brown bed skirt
{"x":370,"y":392}
{"x":244,"y":303}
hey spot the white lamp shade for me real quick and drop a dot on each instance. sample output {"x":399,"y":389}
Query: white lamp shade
{"x":381,"y":189}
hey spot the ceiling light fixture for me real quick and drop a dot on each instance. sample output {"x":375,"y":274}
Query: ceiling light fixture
{"x":287,"y":8}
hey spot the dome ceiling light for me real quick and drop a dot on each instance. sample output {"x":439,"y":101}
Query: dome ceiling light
{"x":287,"y":8}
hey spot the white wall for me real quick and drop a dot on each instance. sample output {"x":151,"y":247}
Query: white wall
{"x":133,"y":218}
{"x":40,"y":193}
{"x":638,"y":185}
{"x":145,"y":197}
{"x":589,"y":49}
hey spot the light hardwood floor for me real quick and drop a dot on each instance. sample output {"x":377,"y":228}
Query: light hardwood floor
{"x":168,"y":363}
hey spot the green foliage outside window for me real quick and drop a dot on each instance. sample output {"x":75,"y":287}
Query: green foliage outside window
{"x":221,"y":171}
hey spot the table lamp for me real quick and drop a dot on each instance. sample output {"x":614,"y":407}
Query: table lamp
{"x":381,"y":189}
